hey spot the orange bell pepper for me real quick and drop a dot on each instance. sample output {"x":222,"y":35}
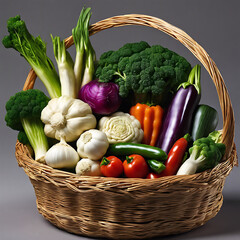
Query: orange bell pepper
{"x":150,"y":118}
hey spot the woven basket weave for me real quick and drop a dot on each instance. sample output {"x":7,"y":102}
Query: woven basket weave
{"x":123,"y":208}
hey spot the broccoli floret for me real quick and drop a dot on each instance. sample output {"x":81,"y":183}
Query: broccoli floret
{"x":34,"y":51}
{"x":22,"y":138}
{"x":23,"y":114}
{"x":143,"y":70}
{"x":216,"y":136}
{"x":204,"y":154}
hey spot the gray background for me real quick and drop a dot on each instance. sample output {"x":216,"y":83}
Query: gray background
{"x":213,"y":24}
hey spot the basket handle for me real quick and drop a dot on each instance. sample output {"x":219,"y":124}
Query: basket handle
{"x":188,"y":42}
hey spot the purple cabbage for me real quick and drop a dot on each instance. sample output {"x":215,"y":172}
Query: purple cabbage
{"x":103,"y":98}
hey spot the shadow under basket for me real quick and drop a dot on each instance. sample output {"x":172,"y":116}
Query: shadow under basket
{"x":125,"y":208}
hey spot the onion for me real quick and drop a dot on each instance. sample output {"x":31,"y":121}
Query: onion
{"x":102,"y":97}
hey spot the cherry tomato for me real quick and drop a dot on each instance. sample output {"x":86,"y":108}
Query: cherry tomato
{"x":153,"y":175}
{"x":111,"y":166}
{"x":135,"y":166}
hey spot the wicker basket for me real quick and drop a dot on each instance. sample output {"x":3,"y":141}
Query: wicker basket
{"x":123,"y":208}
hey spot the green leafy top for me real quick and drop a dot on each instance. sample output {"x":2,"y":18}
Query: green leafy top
{"x":85,"y":54}
{"x":34,"y":51}
{"x":19,"y":38}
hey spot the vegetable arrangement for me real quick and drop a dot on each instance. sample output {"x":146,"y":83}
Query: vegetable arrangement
{"x":86,"y":124}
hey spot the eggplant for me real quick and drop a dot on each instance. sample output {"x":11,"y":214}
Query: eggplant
{"x":178,"y":116}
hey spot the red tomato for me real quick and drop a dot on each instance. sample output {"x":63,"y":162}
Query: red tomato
{"x":111,"y":166}
{"x":153,"y":175}
{"x":135,"y":166}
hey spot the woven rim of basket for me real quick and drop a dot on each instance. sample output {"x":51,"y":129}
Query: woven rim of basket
{"x":45,"y":173}
{"x":188,"y":42}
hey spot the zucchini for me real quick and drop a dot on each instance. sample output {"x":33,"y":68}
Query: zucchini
{"x":205,"y":121}
{"x":146,"y":151}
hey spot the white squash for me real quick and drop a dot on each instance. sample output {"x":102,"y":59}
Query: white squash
{"x":67,"y":118}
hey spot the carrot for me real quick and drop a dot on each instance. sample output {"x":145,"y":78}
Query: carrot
{"x":150,"y":118}
{"x":157,"y":123}
{"x":138,"y":111}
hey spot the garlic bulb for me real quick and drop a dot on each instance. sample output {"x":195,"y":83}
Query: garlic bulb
{"x":88,"y":167}
{"x":67,"y":118}
{"x":121,"y":127}
{"x":61,"y":155}
{"x":92,"y":144}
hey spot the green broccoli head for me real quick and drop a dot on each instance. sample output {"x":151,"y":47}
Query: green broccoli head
{"x":204,"y":154}
{"x":216,"y":136}
{"x":24,"y":105}
{"x":112,"y":63}
{"x":207,"y":153}
{"x":23,"y":114}
{"x":22,"y":138}
{"x":139,"y":68}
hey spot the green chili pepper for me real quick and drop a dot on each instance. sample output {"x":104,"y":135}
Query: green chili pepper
{"x":146,"y":151}
{"x":156,"y":166}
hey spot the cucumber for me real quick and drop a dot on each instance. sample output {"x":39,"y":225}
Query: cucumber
{"x":205,"y":121}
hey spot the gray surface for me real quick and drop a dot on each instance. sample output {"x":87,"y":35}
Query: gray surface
{"x":213,"y":24}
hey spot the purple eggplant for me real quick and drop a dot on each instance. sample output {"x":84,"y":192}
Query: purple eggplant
{"x":178,"y":116}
